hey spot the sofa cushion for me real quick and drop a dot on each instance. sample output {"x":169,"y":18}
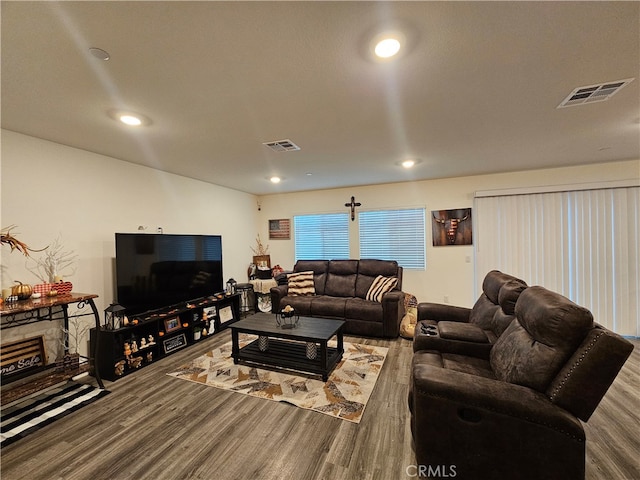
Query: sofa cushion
{"x":509,"y":294}
{"x":372,"y":268}
{"x":547,"y":330}
{"x":326,"y":306}
{"x":369,"y":269}
{"x":361,"y":309}
{"x":482,"y":312}
{"x":301,"y":283}
{"x":341,"y":278}
{"x":489,"y":302}
{"x":319,"y":269}
{"x":301,"y":304}
{"x":379,"y":287}
{"x":471,"y":365}
{"x":507,"y":298}
{"x":465,"y":332}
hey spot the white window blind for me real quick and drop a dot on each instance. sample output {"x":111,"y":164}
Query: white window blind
{"x":394,"y":235}
{"x":322,"y":236}
{"x":582,"y":244}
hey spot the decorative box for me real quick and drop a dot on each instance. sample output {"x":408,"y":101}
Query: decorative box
{"x":63,"y":288}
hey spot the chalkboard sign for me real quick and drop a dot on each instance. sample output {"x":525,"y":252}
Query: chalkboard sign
{"x":174,"y":343}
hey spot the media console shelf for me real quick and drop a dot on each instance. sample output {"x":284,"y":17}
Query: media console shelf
{"x":158,"y":333}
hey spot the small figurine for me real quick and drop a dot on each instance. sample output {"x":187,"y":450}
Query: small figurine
{"x":149,"y":357}
{"x":134,"y":346}
{"x":135,"y":362}
{"x":119,"y":368}
{"x":143,"y":343}
{"x":125,"y":321}
{"x":204,"y":332}
{"x":151,"y":340}
{"x":127,"y":349}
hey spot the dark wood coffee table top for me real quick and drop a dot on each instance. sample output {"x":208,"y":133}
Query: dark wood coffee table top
{"x":285,"y":347}
{"x":308,"y":328}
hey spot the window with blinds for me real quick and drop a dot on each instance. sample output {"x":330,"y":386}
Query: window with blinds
{"x":321,"y":236}
{"x":582,"y":244}
{"x":394,"y":235}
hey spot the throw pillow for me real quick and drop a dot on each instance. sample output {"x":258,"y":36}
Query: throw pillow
{"x":380,"y":286}
{"x":301,"y":283}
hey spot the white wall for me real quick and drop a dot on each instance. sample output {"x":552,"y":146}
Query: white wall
{"x":50,"y":189}
{"x":450,"y":269}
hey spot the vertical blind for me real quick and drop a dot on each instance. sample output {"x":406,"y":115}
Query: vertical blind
{"x":394,"y":235}
{"x":583,"y":244}
{"x":322,"y":236}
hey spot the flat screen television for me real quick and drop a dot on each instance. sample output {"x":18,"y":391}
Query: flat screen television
{"x":160,"y":270}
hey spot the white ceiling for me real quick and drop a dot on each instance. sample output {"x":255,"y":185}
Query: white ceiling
{"x":475,"y":90}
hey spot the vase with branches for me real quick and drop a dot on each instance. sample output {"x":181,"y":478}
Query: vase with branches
{"x":55,"y":263}
{"x":260,"y":248}
{"x":71,"y":337}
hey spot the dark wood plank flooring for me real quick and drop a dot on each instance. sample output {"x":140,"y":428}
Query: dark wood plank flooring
{"x":153,"y":426}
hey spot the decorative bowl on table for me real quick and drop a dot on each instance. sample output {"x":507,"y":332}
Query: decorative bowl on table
{"x":287,"y":317}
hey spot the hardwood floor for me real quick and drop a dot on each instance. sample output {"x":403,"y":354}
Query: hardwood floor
{"x":153,"y":426}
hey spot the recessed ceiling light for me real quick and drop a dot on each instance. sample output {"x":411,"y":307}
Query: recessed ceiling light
{"x":275,"y":179}
{"x":408,"y":163}
{"x":99,"y":53}
{"x":387,"y":47}
{"x":129,"y":118}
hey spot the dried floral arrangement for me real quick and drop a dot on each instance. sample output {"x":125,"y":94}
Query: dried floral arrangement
{"x":72,"y":336}
{"x":54,"y":264}
{"x":260,"y":249}
{"x":7,"y":238}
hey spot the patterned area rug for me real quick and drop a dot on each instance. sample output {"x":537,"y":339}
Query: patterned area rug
{"x":31,"y":414}
{"x":344,"y":395}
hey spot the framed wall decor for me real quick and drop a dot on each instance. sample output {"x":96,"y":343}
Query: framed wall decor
{"x":209,"y":313}
{"x":226,"y":314}
{"x":174,"y":343}
{"x":172,"y":324}
{"x":280,"y":229}
{"x":263,"y":261}
{"x":451,"y":227}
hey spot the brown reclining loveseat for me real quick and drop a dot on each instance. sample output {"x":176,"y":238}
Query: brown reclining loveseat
{"x":516,"y":413}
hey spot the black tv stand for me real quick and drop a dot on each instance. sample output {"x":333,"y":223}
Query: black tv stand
{"x":155,"y":334}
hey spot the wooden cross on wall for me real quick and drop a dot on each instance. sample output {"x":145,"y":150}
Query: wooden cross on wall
{"x":353,"y":206}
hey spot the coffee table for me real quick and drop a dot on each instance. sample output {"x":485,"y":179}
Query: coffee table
{"x":301,"y":348}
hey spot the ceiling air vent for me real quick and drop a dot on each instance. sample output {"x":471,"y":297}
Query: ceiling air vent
{"x":282,"y":146}
{"x":594,"y":93}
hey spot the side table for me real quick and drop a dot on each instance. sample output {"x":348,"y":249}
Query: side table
{"x":262,"y":289}
{"x":47,"y":309}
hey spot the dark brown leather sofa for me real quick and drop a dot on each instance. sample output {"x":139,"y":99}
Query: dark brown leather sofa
{"x":471,"y":331}
{"x":341,"y":288}
{"x":516,"y":413}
